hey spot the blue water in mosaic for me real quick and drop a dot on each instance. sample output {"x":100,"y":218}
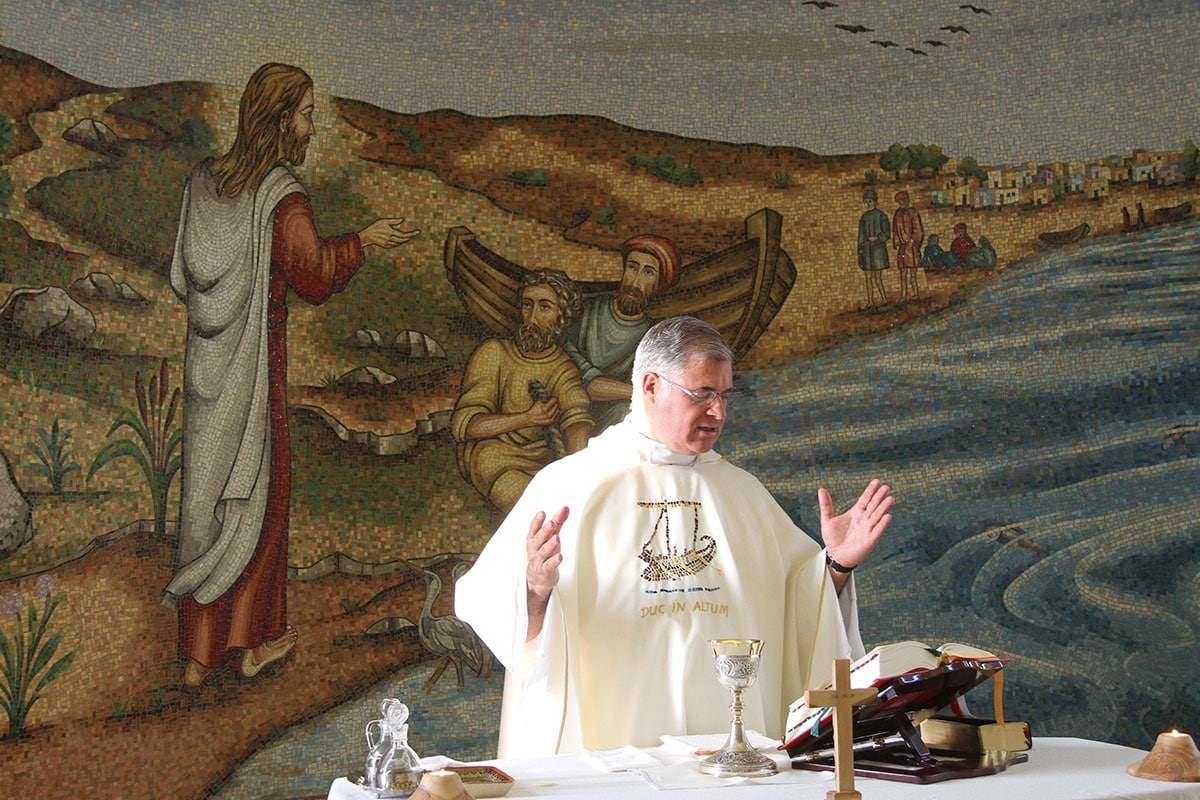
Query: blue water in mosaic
{"x":1042,"y":438}
{"x":1042,"y":441}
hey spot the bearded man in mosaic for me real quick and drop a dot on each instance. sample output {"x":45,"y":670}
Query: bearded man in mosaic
{"x":246,"y":236}
{"x":522,"y":403}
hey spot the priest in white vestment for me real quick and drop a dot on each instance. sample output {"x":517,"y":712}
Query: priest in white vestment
{"x":602,"y":586}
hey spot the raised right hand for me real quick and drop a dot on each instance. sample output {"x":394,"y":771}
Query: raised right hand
{"x":386,"y":233}
{"x":543,"y":549}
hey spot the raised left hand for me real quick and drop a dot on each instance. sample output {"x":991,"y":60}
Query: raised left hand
{"x":850,"y":537}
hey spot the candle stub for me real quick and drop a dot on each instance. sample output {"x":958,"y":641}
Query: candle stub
{"x":1174,"y":758}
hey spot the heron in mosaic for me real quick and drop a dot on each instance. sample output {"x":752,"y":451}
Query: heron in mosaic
{"x":448,"y":637}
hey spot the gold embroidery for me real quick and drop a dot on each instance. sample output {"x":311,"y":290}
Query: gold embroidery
{"x":672,"y":563}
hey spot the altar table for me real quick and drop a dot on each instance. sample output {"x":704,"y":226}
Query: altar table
{"x":1058,"y":768}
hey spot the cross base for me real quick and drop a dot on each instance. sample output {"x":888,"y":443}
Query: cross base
{"x":835,"y":794}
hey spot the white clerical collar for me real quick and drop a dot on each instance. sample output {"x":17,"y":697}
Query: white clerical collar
{"x":658,"y":453}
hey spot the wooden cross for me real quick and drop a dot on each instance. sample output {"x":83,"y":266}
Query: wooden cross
{"x":842,"y":699}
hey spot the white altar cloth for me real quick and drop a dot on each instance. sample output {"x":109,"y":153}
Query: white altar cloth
{"x":1058,"y":768}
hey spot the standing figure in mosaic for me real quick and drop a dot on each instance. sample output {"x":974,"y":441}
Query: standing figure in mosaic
{"x":874,"y":230}
{"x":246,"y":236}
{"x":522,"y":403}
{"x":603,"y":340}
{"x":907,"y":237}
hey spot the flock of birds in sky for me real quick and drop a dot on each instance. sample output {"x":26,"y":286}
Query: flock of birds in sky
{"x":954,"y":28}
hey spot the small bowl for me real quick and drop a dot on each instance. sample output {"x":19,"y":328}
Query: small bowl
{"x":403,"y":783}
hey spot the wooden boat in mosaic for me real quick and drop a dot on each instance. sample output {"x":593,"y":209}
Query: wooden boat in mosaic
{"x":1066,"y":237}
{"x":738,"y":290}
{"x":1173,"y":213}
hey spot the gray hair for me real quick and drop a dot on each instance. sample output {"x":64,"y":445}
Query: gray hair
{"x":667,"y":348}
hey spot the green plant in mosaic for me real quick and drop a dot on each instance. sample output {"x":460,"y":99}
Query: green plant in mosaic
{"x":895,"y":159}
{"x":350,"y":605}
{"x":872,"y":177}
{"x":54,"y":456}
{"x":782,"y":179}
{"x":27,"y":657}
{"x":1191,"y":160}
{"x":157,"y":446}
{"x":969,"y":168}
{"x":7,"y":136}
{"x":6,"y":191}
{"x":529,"y":177}
{"x":666,"y":167}
{"x":120,"y":703}
{"x":926,"y":156}
{"x":411,"y":139}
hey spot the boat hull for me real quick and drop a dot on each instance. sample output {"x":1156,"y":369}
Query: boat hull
{"x":738,"y":290}
{"x":1066,"y":237}
{"x":1174,"y":213}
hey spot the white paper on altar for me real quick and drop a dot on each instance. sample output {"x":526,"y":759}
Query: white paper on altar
{"x":685,"y":772}
{"x":622,"y":759}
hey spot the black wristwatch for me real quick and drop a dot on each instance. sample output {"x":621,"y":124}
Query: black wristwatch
{"x":839,"y":568}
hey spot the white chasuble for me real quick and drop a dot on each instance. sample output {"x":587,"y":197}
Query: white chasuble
{"x":657,"y":559}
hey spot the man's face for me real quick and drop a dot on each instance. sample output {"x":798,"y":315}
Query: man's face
{"x":297,"y":131}
{"x":539,"y":319}
{"x":674,"y":419}
{"x":639,"y":279}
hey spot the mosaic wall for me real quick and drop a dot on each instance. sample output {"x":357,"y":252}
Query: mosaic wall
{"x":1027,"y":382}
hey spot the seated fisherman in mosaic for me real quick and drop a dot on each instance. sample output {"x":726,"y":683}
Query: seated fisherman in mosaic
{"x":603,"y":584}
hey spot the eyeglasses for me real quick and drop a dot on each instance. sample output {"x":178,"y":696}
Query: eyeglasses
{"x":704,"y":397}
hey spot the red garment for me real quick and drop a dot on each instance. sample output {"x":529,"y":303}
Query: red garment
{"x":907,"y":235}
{"x":962,"y":245}
{"x":255,"y":609}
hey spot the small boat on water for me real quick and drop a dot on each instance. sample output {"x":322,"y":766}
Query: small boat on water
{"x":1056,"y":238}
{"x":1173,"y":213}
{"x":738,"y":290}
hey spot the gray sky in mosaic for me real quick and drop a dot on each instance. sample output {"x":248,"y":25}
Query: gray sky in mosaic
{"x":1031,"y":80}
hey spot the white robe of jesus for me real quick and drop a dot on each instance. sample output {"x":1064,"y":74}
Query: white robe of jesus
{"x":657,"y":559}
{"x":221,"y":268}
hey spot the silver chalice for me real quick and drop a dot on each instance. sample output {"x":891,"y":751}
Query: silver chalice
{"x":736,"y":662}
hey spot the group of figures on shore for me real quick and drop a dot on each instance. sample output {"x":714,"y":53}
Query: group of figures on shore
{"x":907,"y":233}
{"x":561,"y":377}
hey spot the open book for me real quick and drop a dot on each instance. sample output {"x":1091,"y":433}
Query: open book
{"x":881,"y":663}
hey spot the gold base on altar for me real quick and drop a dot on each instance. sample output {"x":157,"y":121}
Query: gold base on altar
{"x":1174,"y":758}
{"x":975,"y":735}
